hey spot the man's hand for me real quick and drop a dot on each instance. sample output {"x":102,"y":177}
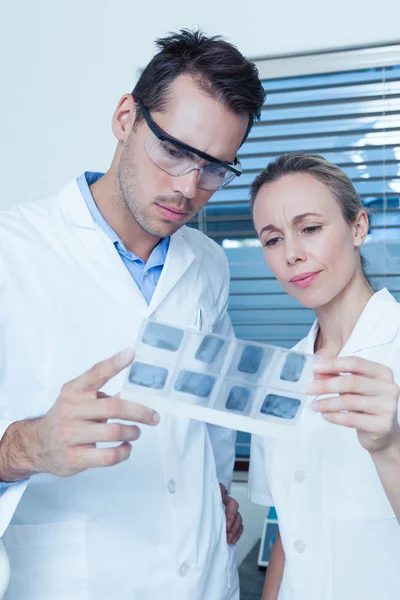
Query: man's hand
{"x":234,"y":526}
{"x":63,"y":441}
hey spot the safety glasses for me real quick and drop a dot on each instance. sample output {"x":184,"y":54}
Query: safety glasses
{"x":177,"y":158}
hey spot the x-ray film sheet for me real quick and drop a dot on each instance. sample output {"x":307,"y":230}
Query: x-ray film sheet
{"x":243,"y":385}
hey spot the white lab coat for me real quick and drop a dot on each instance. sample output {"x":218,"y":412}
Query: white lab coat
{"x":154,"y":526}
{"x":339,"y":532}
{"x":4,"y":570}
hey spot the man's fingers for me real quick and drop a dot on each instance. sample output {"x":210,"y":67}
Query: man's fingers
{"x":233,"y":520}
{"x":115,"y":408}
{"x":234,"y":530}
{"x":238,"y":535}
{"x":88,"y":433}
{"x":89,"y":458}
{"x":231,"y":511}
{"x":93,"y":379}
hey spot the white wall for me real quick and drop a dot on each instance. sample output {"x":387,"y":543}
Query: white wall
{"x":65,"y":64}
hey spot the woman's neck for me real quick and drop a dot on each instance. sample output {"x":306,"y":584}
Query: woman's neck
{"x":338,"y":318}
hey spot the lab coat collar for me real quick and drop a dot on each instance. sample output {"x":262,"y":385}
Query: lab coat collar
{"x":74,"y":207}
{"x":377,"y":325}
{"x":179,"y":257}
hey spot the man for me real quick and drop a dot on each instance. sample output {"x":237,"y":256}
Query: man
{"x":79,"y":272}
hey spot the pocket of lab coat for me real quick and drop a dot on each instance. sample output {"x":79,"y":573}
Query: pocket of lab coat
{"x":48,"y":561}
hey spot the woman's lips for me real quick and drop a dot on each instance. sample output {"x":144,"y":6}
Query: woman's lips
{"x":305,"y":279}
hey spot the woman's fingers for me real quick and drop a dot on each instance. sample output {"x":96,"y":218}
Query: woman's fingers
{"x":355,"y":365}
{"x":372,"y":405}
{"x":373,"y":424}
{"x":350,"y":384}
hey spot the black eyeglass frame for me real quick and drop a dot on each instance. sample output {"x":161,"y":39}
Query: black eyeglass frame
{"x":164,"y":137}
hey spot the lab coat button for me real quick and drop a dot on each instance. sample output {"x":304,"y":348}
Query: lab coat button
{"x":171,"y":486}
{"x":299,"y":546}
{"x":184,"y":569}
{"x":299,"y":476}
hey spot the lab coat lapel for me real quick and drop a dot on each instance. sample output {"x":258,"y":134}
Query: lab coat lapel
{"x":375,"y":327}
{"x":179,"y":258}
{"x":93,"y":250}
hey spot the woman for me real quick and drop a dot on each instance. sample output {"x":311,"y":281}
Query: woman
{"x":336,"y":483}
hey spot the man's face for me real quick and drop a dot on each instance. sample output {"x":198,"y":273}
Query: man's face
{"x":159,"y":202}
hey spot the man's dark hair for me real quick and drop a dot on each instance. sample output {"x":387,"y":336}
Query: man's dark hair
{"x":218,"y":67}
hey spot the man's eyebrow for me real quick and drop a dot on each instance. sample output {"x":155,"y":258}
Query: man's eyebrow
{"x":295,"y":220}
{"x":189,"y":153}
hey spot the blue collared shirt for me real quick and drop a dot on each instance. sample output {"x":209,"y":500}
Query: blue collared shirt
{"x":145,"y":275}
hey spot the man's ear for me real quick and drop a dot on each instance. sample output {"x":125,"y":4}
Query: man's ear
{"x":124,"y":117}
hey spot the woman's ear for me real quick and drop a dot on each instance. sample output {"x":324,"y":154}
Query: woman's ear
{"x":360,"y":228}
{"x":124,"y":117}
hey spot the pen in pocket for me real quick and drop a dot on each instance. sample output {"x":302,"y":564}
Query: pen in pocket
{"x":199,"y":320}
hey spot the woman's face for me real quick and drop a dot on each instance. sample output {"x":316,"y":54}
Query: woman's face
{"x":308,"y":245}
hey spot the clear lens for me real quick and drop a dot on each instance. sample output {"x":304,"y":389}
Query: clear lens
{"x":212,"y":181}
{"x":177,"y":162}
{"x":167,"y":156}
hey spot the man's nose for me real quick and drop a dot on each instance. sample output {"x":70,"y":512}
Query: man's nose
{"x":186,"y":185}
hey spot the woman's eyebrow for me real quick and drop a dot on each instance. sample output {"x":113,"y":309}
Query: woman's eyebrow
{"x":295,"y":220}
{"x":267,"y":228}
{"x":303,"y":216}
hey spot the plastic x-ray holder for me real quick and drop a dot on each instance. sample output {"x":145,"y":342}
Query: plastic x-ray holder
{"x":248,"y":386}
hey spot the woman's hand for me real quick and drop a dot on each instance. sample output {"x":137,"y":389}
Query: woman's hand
{"x":368,"y":399}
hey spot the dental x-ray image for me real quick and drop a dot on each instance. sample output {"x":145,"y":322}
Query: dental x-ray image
{"x":280,"y":406}
{"x":209,"y":349}
{"x":293,"y":367}
{"x":194,"y":383}
{"x":162,"y":336}
{"x":148,"y":375}
{"x":238,"y":398}
{"x":250,"y":360}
